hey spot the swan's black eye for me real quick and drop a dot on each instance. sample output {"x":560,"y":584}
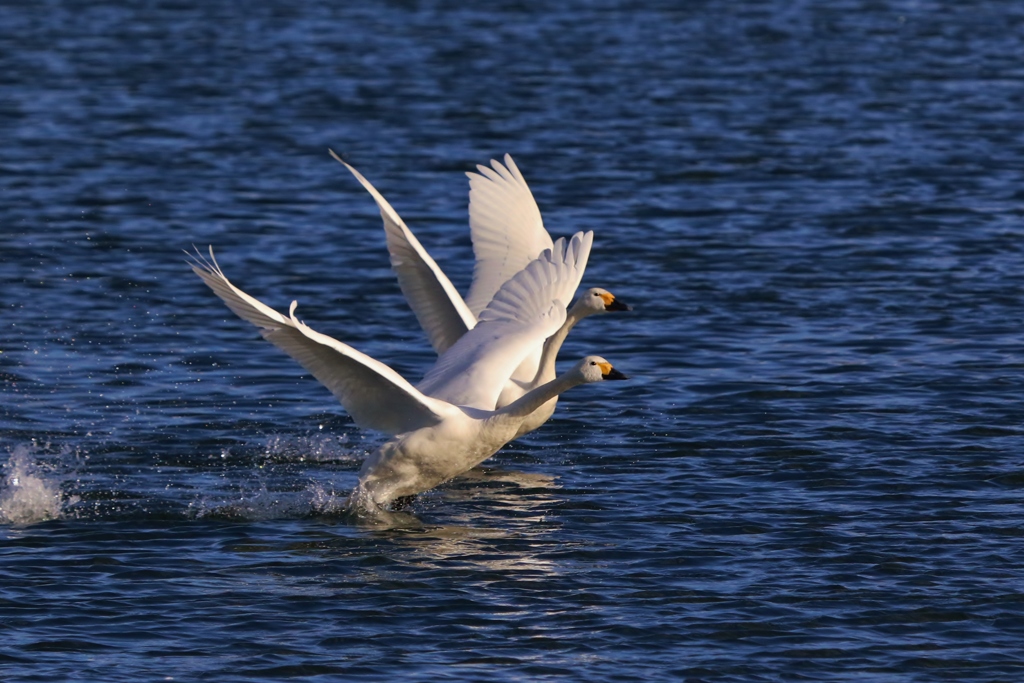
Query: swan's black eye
{"x":596,"y":294}
{"x":593,"y":362}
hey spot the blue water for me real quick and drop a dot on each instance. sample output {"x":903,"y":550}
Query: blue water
{"x":815,"y":473}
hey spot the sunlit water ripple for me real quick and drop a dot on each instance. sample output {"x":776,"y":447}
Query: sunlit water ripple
{"x":814,"y":474}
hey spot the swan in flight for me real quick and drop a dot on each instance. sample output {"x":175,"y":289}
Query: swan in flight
{"x":507,"y":233}
{"x":432,"y":440}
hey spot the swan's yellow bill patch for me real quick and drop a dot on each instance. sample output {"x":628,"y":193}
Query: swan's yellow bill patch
{"x":608,"y":298}
{"x":605,"y":368}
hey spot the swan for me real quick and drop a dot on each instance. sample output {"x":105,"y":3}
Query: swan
{"x":507,"y":232}
{"x":432,"y":440}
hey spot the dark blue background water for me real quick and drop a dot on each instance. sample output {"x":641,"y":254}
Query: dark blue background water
{"x":815,"y":474}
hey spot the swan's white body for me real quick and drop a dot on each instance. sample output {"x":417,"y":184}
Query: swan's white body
{"x":432,"y":439}
{"x":425,"y":458}
{"x":507,"y":233}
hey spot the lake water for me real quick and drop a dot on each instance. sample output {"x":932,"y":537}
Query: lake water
{"x":815,"y":473}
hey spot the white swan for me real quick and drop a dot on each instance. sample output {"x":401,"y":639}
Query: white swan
{"x":433,"y":440}
{"x":507,"y":232}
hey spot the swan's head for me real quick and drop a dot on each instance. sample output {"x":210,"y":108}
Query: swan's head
{"x":597,"y":300}
{"x":597,"y":369}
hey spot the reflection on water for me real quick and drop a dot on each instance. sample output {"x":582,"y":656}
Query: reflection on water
{"x":476,"y":546}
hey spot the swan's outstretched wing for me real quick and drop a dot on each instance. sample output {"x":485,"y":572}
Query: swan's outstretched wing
{"x":442,"y":313}
{"x":526,"y":310}
{"x":374,"y":395}
{"x":506,"y":227}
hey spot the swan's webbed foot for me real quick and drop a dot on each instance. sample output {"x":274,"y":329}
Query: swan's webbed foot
{"x":402,"y":502}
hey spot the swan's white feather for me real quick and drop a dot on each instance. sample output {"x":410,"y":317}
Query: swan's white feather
{"x":440,"y":309}
{"x":511,"y":329}
{"x":506,"y":227}
{"x":374,"y":395}
{"x":474,"y":371}
{"x":555,"y":274}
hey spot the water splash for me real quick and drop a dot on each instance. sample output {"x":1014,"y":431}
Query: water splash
{"x":325,"y":500}
{"x":30,"y":491}
{"x":316,"y":447}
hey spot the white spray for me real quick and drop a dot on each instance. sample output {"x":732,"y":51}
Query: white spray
{"x":27,"y":493}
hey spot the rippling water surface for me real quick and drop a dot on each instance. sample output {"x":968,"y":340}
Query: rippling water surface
{"x":815,"y":473}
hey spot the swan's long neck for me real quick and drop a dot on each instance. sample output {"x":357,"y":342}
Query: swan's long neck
{"x":549,"y":354}
{"x":535,"y":398}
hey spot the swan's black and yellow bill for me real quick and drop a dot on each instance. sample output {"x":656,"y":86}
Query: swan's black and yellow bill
{"x":617,"y":305}
{"x":608,"y":372}
{"x":613,"y":304}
